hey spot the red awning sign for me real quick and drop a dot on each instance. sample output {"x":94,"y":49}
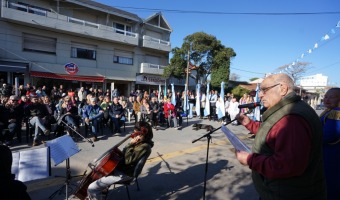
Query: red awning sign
{"x":98,"y":79}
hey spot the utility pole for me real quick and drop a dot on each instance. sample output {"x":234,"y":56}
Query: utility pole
{"x":187,"y":78}
{"x":187,"y":84}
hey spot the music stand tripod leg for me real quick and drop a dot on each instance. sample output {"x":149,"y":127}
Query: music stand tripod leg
{"x":67,"y":181}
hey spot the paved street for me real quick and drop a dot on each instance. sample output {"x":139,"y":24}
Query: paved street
{"x":174,"y":170}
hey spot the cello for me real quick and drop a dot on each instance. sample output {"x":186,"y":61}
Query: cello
{"x":103,"y":166}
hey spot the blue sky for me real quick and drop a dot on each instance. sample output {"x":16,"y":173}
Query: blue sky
{"x":262,"y":42}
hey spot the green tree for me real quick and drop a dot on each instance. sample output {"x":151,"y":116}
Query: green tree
{"x":253,"y":79}
{"x":238,"y":91}
{"x":207,"y":56}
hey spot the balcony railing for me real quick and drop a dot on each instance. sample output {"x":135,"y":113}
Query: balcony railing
{"x":28,"y":9}
{"x":156,"y":40}
{"x":82,"y":22}
{"x":34,"y":10}
{"x":152,"y":68}
{"x":127,"y":33}
{"x":155,"y":43}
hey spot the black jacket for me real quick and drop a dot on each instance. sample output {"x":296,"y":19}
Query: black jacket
{"x":116,"y":109}
{"x":37,"y":109}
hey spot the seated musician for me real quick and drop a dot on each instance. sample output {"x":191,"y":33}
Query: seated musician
{"x":140,"y":144}
{"x":69,"y":114}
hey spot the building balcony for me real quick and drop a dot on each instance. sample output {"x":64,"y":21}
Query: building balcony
{"x":155,"y":43}
{"x":45,"y":19}
{"x":149,"y":68}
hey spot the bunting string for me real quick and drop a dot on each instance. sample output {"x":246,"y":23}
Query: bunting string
{"x":325,"y":38}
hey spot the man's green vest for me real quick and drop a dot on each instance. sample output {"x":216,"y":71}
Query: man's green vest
{"x":310,"y":184}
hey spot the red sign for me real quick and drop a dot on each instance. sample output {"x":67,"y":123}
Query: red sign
{"x":71,"y":68}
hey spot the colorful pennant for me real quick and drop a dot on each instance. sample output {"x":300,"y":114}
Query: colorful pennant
{"x":324,"y":38}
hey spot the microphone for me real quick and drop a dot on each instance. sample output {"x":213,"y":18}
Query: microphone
{"x":250,"y":105}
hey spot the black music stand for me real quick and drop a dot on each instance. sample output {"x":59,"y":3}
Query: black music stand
{"x":62,"y":149}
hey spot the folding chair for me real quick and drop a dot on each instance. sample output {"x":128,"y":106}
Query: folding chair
{"x":137,"y":172}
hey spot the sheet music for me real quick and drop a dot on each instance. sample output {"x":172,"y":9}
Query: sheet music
{"x":31,"y":164}
{"x":62,"y":148}
{"x":235,"y":141}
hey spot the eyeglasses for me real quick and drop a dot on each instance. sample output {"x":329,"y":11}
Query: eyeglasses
{"x":264,"y":90}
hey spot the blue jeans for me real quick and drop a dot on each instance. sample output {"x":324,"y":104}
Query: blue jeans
{"x":70,"y":120}
{"x":37,"y":122}
{"x":94,"y":125}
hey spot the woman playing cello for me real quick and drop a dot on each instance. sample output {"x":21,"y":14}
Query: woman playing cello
{"x":140,"y":144}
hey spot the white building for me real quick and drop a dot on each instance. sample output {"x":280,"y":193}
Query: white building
{"x":82,"y":43}
{"x":314,"y":82}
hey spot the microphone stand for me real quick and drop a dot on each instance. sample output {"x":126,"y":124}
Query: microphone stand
{"x":88,"y":140}
{"x":208,"y":136}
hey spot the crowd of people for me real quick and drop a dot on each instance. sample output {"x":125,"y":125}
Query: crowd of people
{"x":89,"y":106}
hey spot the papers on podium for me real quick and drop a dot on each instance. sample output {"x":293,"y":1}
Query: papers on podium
{"x":235,"y":141}
{"x":62,"y":148}
{"x":31,"y":164}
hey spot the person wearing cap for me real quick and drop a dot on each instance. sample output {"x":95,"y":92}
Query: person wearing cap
{"x":92,"y":114}
{"x":36,"y":113}
{"x":12,"y":115}
{"x":9,"y":187}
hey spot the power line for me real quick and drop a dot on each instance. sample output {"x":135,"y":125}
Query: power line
{"x":327,"y":66}
{"x":247,"y":71}
{"x":226,"y":13}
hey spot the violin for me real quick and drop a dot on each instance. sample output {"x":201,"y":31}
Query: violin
{"x":103,"y":166}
